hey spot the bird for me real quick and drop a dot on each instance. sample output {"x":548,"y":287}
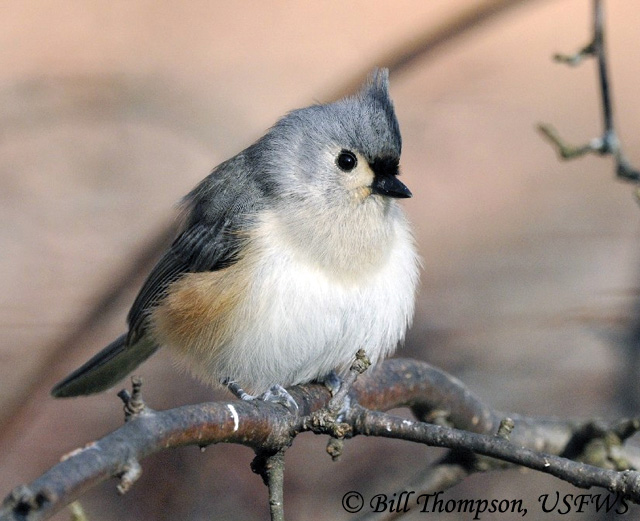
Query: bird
{"x":291,"y":256}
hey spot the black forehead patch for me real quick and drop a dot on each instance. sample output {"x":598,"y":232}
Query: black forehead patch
{"x":388,"y":165}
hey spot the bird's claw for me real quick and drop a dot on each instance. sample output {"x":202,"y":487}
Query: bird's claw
{"x":276,"y":394}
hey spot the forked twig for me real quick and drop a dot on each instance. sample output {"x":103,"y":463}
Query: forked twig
{"x":608,"y":143}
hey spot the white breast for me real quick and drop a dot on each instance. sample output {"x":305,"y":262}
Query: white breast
{"x":299,"y":321}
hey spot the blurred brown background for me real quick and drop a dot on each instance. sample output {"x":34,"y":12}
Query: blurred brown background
{"x":111,"y":111}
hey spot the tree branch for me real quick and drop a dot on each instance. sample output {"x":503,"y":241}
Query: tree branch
{"x":374,"y":423}
{"x":270,"y":429}
{"x":270,"y":465}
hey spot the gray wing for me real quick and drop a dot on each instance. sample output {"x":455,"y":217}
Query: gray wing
{"x":218,"y":209}
{"x":219,"y":212}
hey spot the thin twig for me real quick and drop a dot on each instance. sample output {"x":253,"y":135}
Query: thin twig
{"x":600,"y":53}
{"x":133,"y":403}
{"x":608,"y":143}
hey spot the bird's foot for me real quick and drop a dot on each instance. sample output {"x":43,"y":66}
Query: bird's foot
{"x":332,"y":382}
{"x":276,"y":394}
{"x":341,"y":404}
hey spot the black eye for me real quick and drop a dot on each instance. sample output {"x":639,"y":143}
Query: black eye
{"x":346,"y":160}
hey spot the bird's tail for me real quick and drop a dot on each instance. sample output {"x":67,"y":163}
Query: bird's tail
{"x":106,"y":368}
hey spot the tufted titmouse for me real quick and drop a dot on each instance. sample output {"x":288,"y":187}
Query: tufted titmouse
{"x":293,"y":255}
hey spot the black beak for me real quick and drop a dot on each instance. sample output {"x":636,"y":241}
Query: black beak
{"x":385,"y":181}
{"x":390,"y":186}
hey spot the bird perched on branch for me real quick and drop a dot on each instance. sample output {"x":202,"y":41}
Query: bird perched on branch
{"x":293,"y":255}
